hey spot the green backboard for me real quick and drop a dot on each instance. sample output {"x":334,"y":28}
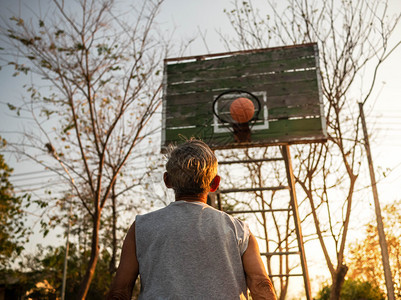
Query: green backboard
{"x":286,"y":80}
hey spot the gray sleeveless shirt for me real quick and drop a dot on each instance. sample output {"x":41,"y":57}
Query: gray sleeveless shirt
{"x":189,"y":250}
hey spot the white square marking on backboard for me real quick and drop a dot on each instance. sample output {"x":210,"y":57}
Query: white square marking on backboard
{"x":220,"y":128}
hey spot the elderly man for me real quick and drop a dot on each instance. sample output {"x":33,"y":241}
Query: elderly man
{"x":189,"y":250}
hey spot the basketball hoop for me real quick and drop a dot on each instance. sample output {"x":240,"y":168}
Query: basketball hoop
{"x":240,"y":109}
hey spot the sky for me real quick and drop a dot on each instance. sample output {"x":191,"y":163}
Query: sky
{"x":188,"y":19}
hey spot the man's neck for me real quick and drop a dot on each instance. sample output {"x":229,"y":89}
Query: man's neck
{"x":192,"y":198}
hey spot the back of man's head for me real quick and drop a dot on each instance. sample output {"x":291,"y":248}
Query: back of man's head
{"x":191,"y":167}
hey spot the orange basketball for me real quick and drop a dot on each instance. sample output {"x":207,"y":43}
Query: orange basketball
{"x":242,"y":110}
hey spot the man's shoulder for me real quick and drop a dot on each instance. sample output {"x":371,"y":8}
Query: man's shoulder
{"x":156,"y":212}
{"x":227,"y":217}
{"x":175,"y":208}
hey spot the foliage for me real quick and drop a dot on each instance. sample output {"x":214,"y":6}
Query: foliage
{"x":13,"y":231}
{"x":354,"y":289}
{"x":365,"y":260}
{"x":47,"y":266}
{"x":40,"y":274}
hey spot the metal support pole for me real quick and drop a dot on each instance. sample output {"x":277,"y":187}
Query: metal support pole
{"x":211,"y":200}
{"x":67,"y":247}
{"x":294,"y":206}
{"x":380,"y":227}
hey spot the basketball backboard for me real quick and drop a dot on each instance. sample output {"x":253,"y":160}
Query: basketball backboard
{"x":285,"y":80}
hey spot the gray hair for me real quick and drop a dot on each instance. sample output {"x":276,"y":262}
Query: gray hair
{"x":191,"y":167}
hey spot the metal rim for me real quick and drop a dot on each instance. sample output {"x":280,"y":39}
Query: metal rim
{"x":255,"y":117}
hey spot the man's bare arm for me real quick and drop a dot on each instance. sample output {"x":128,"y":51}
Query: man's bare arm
{"x":259,"y":284}
{"x":127,"y":271}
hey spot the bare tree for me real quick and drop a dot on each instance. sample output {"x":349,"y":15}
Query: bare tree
{"x":352,"y":36}
{"x":103,"y":72}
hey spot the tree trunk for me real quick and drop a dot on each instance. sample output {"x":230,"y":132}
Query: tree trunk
{"x":112,"y":265}
{"x":90,"y":270}
{"x":338,"y":282}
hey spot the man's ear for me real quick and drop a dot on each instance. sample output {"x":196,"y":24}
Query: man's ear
{"x":215,"y":183}
{"x":167,"y":181}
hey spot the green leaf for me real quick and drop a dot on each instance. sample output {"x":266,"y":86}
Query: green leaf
{"x":19,"y":21}
{"x":58,"y":32}
{"x":11,"y":107}
{"x":69,"y":127}
{"x":79,"y":46}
